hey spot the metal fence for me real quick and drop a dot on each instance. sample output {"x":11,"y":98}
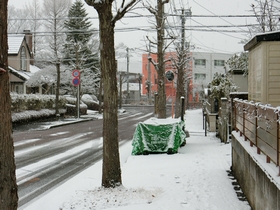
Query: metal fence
{"x":260,"y":125}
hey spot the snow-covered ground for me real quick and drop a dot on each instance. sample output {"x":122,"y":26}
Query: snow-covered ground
{"x":195,"y":178}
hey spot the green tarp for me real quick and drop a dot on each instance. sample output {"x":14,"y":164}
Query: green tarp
{"x":158,"y":136}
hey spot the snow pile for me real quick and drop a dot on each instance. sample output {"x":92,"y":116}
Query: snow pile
{"x":195,"y":178}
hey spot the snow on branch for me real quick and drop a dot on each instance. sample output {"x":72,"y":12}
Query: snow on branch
{"x":153,"y":62}
{"x":2,"y":70}
{"x":124,"y":9}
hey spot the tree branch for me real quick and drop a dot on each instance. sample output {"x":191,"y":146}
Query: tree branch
{"x":124,"y":9}
{"x":153,"y":62}
{"x":2,"y":70}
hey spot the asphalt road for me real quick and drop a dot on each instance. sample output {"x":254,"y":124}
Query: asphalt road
{"x":47,"y":158}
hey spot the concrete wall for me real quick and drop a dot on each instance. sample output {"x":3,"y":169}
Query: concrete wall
{"x":260,"y":191}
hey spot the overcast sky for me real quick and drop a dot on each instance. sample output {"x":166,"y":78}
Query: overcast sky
{"x":201,"y":39}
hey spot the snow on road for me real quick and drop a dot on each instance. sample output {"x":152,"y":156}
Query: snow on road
{"x":194,"y":179}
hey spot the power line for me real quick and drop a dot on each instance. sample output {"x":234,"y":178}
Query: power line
{"x":140,"y":16}
{"x":214,"y":14}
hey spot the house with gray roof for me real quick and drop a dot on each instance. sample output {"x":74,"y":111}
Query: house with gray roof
{"x":19,"y":61}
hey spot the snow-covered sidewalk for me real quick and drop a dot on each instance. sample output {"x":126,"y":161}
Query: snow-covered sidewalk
{"x":195,"y":178}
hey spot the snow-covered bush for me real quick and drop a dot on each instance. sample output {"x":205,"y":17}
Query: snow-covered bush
{"x":23,"y":102}
{"x":221,"y":86}
{"x":72,"y":110}
{"x":71,"y":106}
{"x":91,"y":102}
{"x":47,"y":78}
{"x":71,"y":100}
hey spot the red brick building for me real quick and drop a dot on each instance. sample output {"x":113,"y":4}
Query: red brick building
{"x":170,"y":87}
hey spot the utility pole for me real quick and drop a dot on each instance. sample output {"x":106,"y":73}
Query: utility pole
{"x":79,"y":86}
{"x":57,"y":88}
{"x":127,"y":71}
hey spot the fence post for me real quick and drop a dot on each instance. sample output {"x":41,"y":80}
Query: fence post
{"x":182,"y":108}
{"x":205,"y":125}
{"x":278,"y":143}
{"x":234,"y":104}
{"x":256,"y":129}
{"x":243,"y":121}
{"x":156,"y":105}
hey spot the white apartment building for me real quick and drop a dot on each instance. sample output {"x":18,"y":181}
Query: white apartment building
{"x":204,"y":66}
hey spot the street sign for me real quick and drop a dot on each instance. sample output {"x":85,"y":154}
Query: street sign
{"x":76,"y":73}
{"x":76,"y":81}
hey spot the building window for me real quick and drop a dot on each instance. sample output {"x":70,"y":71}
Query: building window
{"x":199,"y":76}
{"x":200,"y":62}
{"x":219,"y":63}
{"x":23,"y":59}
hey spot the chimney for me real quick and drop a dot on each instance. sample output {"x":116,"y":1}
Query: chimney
{"x":29,"y":41}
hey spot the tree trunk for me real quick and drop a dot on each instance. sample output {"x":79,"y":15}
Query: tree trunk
{"x":8,"y":185}
{"x":111,"y":172}
{"x":161,"y":65}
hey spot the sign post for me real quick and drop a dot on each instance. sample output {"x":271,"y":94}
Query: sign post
{"x":76,"y":82}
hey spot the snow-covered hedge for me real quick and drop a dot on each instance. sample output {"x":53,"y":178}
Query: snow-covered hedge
{"x":31,"y":115}
{"x":71,"y":106}
{"x":23,"y":102}
{"x":91,"y":101}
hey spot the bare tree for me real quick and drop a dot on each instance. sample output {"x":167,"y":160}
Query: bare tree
{"x":33,"y":11}
{"x":56,"y":11}
{"x":265,"y":12}
{"x":111,"y":172}
{"x":17,"y":21}
{"x":158,"y":12}
{"x":8,"y":185}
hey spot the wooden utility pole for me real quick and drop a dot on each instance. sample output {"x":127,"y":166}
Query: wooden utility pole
{"x":127,"y":75}
{"x":57,"y":88}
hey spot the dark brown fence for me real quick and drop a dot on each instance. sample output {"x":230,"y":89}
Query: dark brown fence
{"x":260,"y":125}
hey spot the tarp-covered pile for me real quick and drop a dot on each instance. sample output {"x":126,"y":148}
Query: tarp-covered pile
{"x":158,"y":136}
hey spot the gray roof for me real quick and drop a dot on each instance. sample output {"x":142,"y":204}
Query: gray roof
{"x":14,"y":43}
{"x":269,"y":36}
{"x":24,"y":75}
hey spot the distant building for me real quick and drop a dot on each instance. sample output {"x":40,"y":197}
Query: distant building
{"x":131,"y":83}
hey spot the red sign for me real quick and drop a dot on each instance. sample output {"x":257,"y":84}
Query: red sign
{"x":76,"y":81}
{"x":76,"y":73}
